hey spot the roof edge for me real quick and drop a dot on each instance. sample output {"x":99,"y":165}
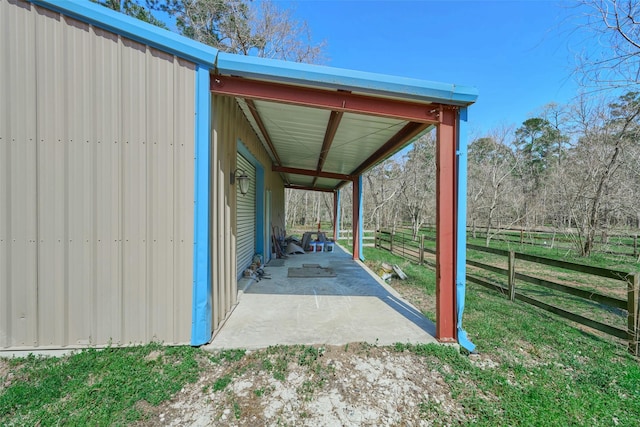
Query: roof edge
{"x":330,"y":77}
{"x":134,"y":29}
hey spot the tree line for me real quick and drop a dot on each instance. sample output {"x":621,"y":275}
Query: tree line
{"x":573,"y":168}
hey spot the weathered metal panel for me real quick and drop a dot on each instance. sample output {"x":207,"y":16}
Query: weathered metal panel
{"x":184,"y":183}
{"x":96,"y":185}
{"x":108,"y":295}
{"x":18,"y":231}
{"x":134,"y":184}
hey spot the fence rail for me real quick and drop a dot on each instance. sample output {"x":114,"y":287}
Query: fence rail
{"x":368,"y":236}
{"x":404,"y":245}
{"x":617,"y":244}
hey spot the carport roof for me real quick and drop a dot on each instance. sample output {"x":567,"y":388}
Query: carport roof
{"x":324,"y":126}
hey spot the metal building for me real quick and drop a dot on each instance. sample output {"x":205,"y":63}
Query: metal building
{"x":120,"y":144}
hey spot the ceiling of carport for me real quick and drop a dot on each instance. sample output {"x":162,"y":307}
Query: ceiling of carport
{"x":319,"y":144}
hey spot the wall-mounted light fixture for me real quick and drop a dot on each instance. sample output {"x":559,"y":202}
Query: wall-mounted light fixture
{"x":243,"y":180}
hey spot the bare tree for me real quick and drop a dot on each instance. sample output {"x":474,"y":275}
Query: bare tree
{"x":417,"y":189}
{"x":616,"y":26}
{"x":280,"y":36}
{"x":248,"y":28}
{"x":492,"y":186}
{"x":594,"y":180}
{"x":382,"y":188}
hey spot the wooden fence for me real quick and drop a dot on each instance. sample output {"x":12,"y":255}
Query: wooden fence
{"x":614,"y":244}
{"x":368,"y":237}
{"x":404,"y":245}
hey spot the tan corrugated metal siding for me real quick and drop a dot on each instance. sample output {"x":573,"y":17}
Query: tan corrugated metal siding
{"x":228,"y":127}
{"x":96,"y":185}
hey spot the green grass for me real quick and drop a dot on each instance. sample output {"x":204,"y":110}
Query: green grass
{"x":94,"y":387}
{"x":590,"y":309}
{"x":544,"y":371}
{"x":550,"y":372}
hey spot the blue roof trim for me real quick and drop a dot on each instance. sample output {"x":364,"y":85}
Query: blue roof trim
{"x":134,"y":29}
{"x":360,"y":81}
{"x":263,"y":68}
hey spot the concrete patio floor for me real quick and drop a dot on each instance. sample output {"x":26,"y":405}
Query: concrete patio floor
{"x":354,"y":306}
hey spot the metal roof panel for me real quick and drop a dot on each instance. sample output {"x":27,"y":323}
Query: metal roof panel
{"x":356,"y":81}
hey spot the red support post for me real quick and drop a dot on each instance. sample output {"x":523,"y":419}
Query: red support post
{"x":446,"y":226}
{"x":355,"y":220}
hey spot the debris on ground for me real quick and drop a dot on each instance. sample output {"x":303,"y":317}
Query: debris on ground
{"x":399,"y":272}
{"x":387,"y":271}
{"x":293,"y":248}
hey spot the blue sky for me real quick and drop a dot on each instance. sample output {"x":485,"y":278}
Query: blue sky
{"x":518,"y":54}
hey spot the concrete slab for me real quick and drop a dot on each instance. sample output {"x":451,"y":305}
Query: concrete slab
{"x":354,"y":306}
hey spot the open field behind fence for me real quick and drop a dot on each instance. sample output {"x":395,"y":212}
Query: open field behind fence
{"x":603,"y":299}
{"x":614,"y":243}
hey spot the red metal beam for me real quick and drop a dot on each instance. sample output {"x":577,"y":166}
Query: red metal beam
{"x":405,"y":134}
{"x":263,"y":129}
{"x":325,"y":99}
{"x":332,"y":128}
{"x":355,"y":220}
{"x":445,"y":226}
{"x":308,"y":172}
{"x":330,"y":133}
{"x":303,"y":187}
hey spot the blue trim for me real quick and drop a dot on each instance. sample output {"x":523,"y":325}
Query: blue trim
{"x":268,"y":202}
{"x":260,"y":188}
{"x":360,"y":218}
{"x":260,"y":217}
{"x":201,"y":328}
{"x":337,"y":78}
{"x":337,"y":219}
{"x":461,"y":231}
{"x":134,"y":29}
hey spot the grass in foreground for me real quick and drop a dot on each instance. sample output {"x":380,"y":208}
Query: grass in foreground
{"x":93,"y":387}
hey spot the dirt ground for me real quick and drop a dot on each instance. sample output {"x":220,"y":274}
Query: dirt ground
{"x":356,"y":385}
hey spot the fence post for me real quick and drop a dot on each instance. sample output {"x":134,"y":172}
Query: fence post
{"x":375,"y":239}
{"x":512,"y":275}
{"x":391,"y":241}
{"x":632,"y":312}
{"x":422,"y":249}
{"x":521,"y":236}
{"x":635,"y":245}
